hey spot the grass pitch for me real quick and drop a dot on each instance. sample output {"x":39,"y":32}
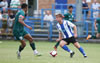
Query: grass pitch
{"x":8,"y":53}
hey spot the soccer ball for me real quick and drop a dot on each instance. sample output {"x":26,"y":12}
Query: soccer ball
{"x":53,"y":53}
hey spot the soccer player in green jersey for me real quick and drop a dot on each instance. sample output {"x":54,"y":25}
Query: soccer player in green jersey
{"x":20,"y":33}
{"x":97,"y":21}
{"x":69,"y":16}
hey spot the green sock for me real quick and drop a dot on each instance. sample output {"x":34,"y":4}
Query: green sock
{"x":32,"y":46}
{"x":57,"y":44}
{"x":94,"y":37}
{"x":20,"y":48}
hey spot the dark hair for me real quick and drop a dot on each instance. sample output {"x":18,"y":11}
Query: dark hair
{"x":70,"y":6}
{"x":24,"y":5}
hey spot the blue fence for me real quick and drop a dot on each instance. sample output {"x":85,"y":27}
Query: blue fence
{"x":83,"y":24}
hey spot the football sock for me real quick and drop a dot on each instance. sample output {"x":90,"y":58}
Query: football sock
{"x":82,"y":51}
{"x":57,"y":44}
{"x":20,"y":48}
{"x":32,"y":46}
{"x":93,"y":36}
{"x":66,"y":48}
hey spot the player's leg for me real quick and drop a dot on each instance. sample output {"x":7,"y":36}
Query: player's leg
{"x":56,"y":45}
{"x":18,"y":36}
{"x":94,"y":36}
{"x":23,"y":44}
{"x":91,"y":36}
{"x":64,"y":46}
{"x":32,"y":44}
{"x":21,"y":47}
{"x":77,"y":45}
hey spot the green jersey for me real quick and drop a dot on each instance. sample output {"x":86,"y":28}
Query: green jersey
{"x":18,"y":26}
{"x":69,"y":17}
{"x":18,"y":30}
{"x":98,"y":21}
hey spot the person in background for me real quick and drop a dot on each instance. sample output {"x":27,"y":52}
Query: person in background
{"x":95,"y":6}
{"x":85,"y":8}
{"x":48,"y":17}
{"x":21,"y":2}
{"x":15,"y":4}
{"x":4,"y":21}
{"x":69,"y":16}
{"x":97,"y":28}
{"x":4,"y":4}
{"x":0,"y":21}
{"x":11,"y":21}
{"x":9,"y":1}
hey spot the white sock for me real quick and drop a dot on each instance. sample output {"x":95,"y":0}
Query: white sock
{"x":35,"y":52}
{"x":71,"y":51}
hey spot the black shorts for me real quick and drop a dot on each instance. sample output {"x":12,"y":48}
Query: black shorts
{"x":70,"y":40}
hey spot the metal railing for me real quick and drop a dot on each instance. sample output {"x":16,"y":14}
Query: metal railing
{"x":84,"y":24}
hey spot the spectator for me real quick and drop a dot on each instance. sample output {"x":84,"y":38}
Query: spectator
{"x":69,"y":16}
{"x":11,"y":21}
{"x":4,"y":4}
{"x":0,"y":20}
{"x":95,"y":6}
{"x":85,"y":8}
{"x":9,"y":1}
{"x":21,"y":2}
{"x":4,"y":21}
{"x":48,"y":17}
{"x":15,"y":4}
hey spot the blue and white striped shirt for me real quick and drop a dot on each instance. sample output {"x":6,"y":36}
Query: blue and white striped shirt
{"x":66,"y":28}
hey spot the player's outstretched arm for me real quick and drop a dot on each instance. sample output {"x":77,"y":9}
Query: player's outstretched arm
{"x":22,"y":22}
{"x":60,"y":37}
{"x":95,"y":25}
{"x":75,"y":31}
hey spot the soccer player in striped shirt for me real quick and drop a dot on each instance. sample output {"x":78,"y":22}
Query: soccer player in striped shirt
{"x":65,"y":30}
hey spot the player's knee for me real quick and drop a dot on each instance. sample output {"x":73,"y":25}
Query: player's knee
{"x":77,"y":46}
{"x":24,"y":45}
{"x":30,"y":40}
{"x":61,"y":44}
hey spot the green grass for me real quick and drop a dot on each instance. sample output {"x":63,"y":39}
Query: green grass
{"x":8,"y":53}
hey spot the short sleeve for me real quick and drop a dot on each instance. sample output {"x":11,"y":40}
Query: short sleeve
{"x":98,"y":20}
{"x":22,"y":15}
{"x":70,"y":24}
{"x":58,"y":28}
{"x":66,"y":16}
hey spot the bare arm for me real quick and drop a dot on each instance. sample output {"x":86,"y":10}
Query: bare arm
{"x":95,"y":25}
{"x":2,"y":5}
{"x":60,"y":37}
{"x":75,"y":31}
{"x":22,"y":22}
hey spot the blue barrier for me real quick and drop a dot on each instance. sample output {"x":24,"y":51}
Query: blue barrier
{"x":31,"y":32}
{"x":31,"y":22}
